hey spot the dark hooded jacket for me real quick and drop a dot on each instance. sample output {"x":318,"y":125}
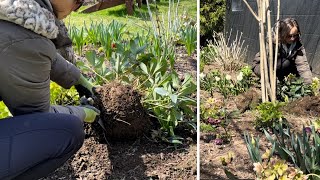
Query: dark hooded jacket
{"x":292,"y":61}
{"x":29,"y":37}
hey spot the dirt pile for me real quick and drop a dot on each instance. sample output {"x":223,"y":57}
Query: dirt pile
{"x":248,"y":100}
{"x":122,"y":113}
{"x":309,"y":105}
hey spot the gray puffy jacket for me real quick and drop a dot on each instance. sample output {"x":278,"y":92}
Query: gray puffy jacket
{"x":29,"y":37}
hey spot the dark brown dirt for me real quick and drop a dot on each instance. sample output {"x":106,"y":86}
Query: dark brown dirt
{"x":139,"y":159}
{"x":122,"y":113}
{"x":309,"y":105}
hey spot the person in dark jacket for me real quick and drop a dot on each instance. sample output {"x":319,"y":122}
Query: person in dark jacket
{"x":291,"y":53}
{"x":40,"y":137}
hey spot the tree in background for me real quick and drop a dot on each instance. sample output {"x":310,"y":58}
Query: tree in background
{"x":212,"y":18}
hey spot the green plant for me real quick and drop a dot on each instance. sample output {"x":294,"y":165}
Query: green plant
{"x":315,"y":86}
{"x":163,"y":41}
{"x":78,"y":38}
{"x":4,"y":111}
{"x":116,"y":30}
{"x":244,"y":80}
{"x":206,"y":128}
{"x":106,"y":42}
{"x":292,"y":88}
{"x":61,"y":96}
{"x":204,"y":59}
{"x":169,"y":101}
{"x":227,"y":55}
{"x":189,"y":38}
{"x":212,"y":17}
{"x":209,"y":108}
{"x":303,"y":150}
{"x":219,"y":82}
{"x":93,"y":32}
{"x":274,"y":169}
{"x":253,"y":147}
{"x":269,"y":115}
{"x":316,"y":125}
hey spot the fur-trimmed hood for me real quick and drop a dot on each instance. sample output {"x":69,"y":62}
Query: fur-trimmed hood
{"x":30,"y":15}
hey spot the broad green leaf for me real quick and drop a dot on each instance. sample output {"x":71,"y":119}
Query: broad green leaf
{"x":161,"y":91}
{"x":144,"y":68}
{"x":174,"y":98}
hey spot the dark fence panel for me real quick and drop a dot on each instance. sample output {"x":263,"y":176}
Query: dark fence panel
{"x":307,"y":13}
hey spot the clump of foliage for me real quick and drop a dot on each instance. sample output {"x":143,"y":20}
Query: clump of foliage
{"x":274,"y":168}
{"x":209,"y":108}
{"x":228,"y":55}
{"x":214,"y":115}
{"x":293,"y":87}
{"x":300,"y":149}
{"x":206,"y":128}
{"x":269,"y":115}
{"x":267,"y":165}
{"x":61,"y":96}
{"x":144,"y":62}
{"x":212,"y":17}
{"x":216,"y":81}
{"x":316,"y":125}
{"x":4,"y":111}
{"x":188,"y":33}
{"x":189,"y":38}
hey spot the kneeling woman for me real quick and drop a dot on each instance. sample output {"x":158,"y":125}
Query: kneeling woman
{"x":291,"y":53}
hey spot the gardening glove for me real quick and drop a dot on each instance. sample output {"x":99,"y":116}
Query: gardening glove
{"x":84,"y":87}
{"x":90,"y":111}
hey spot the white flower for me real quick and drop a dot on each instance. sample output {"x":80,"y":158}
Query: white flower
{"x":217,"y":78}
{"x":315,"y":79}
{"x":202,"y":75}
{"x":257,"y":168}
{"x":228,"y":77}
{"x":240,"y":76}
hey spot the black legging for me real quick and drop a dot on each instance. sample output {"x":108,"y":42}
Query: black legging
{"x":33,"y":145}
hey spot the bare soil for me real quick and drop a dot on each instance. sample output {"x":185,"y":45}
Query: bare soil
{"x":298,"y":113}
{"x":103,"y":158}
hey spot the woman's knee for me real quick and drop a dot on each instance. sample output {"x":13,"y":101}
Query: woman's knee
{"x":73,"y":125}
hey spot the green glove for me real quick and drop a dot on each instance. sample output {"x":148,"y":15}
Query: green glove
{"x":84,"y":87}
{"x":91,"y":113}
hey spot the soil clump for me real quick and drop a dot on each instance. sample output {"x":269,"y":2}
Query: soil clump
{"x":122,"y":113}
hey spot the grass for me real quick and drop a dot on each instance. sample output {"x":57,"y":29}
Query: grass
{"x":138,"y":21}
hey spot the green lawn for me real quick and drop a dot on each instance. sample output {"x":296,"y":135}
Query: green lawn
{"x":139,"y":20}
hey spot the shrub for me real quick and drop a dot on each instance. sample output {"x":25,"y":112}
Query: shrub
{"x":269,"y":115}
{"x":212,"y":17}
{"x":228,"y":55}
{"x":292,"y":87}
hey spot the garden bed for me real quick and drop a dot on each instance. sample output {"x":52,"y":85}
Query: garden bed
{"x":231,"y":160}
{"x":143,"y":158}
